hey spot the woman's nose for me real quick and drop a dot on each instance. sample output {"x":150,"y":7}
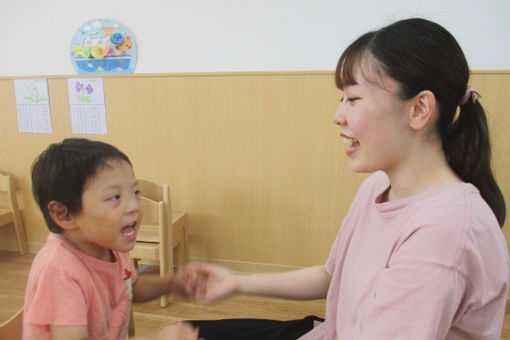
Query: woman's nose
{"x":339,"y":116}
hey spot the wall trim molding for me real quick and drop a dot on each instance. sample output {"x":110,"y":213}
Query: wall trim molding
{"x":210,"y":74}
{"x":235,"y":266}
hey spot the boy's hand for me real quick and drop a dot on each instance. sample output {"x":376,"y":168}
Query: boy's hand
{"x":182,"y":284}
{"x":178,"y":331}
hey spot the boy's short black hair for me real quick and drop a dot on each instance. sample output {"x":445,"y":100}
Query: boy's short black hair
{"x":61,"y":171}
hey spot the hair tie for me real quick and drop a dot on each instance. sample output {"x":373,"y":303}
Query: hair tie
{"x":470,"y":93}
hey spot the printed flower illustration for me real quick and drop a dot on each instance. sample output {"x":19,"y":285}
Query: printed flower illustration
{"x":81,"y":92}
{"x":34,"y":93}
{"x":79,"y":87}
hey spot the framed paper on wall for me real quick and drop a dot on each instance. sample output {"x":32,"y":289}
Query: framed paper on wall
{"x":103,"y":46}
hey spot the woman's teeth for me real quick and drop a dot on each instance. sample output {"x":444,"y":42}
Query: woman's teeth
{"x":353,"y":141}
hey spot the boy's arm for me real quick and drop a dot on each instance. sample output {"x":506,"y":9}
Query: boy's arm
{"x":69,"y":332}
{"x":148,"y":287}
{"x":176,"y":331}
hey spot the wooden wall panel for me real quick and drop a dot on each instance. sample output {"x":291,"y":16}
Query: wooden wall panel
{"x":495,"y":90}
{"x":254,"y":158}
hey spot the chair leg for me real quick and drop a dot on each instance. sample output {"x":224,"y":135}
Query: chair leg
{"x":166,"y":266}
{"x":21,"y":236}
{"x":182,"y":249}
{"x":164,"y":301}
{"x":181,"y":255}
{"x":185,"y":243}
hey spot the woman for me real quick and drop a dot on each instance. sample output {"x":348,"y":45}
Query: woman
{"x":420,"y":254}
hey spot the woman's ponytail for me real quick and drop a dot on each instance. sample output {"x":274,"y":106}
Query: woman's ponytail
{"x":466,"y":145}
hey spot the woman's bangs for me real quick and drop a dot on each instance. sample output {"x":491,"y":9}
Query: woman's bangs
{"x":346,"y":67}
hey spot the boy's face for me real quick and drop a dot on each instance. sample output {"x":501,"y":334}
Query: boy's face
{"x":111,"y":212}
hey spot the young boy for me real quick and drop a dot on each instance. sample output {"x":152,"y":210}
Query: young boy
{"x":81,"y":282}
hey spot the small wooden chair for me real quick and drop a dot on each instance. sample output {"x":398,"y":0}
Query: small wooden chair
{"x":12,"y":328}
{"x":9,"y":211}
{"x":161,"y":231}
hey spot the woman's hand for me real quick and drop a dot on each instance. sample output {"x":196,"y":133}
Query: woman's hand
{"x":211,"y":283}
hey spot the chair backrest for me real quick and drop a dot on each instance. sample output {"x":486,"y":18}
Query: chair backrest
{"x":156,"y":192}
{"x":12,"y":328}
{"x":156,"y":205}
{"x":9,"y":210}
{"x":7,"y":198}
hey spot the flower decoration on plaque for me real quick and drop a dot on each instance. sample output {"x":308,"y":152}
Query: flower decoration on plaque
{"x":103,"y":46}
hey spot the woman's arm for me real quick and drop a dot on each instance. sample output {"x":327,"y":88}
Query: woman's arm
{"x":219,"y":283}
{"x":304,"y":284}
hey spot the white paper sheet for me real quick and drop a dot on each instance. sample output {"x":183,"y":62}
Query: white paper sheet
{"x":33,"y":105}
{"x":86,"y":100}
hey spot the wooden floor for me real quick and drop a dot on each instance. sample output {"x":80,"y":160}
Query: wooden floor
{"x":150,"y":316}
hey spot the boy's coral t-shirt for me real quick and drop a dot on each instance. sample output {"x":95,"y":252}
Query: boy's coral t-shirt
{"x":69,"y":288}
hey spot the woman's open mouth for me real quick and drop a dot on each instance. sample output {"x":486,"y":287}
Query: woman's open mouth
{"x":354,"y":144}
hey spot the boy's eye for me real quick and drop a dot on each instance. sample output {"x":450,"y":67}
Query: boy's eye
{"x":115,"y":198}
{"x":137,"y":192}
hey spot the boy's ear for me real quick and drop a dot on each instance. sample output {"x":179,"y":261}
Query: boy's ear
{"x":60,"y":215}
{"x":422,"y":110}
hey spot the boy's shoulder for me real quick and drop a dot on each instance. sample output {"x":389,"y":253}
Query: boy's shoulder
{"x":60,"y":258}
{"x":57,"y":255}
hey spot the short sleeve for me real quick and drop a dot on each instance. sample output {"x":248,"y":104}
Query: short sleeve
{"x":368,"y":190}
{"x":413,"y":301}
{"x":331,"y":262}
{"x":59,"y":298}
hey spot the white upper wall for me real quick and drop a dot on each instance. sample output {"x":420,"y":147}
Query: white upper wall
{"x":239,"y":35}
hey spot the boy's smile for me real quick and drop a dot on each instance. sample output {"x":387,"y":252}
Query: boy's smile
{"x":111,"y":212}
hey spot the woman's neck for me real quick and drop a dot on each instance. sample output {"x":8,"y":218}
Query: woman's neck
{"x":420,"y":171}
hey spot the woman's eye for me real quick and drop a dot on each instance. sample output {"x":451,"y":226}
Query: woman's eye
{"x":115,"y":198}
{"x":137,"y":192}
{"x":349,"y":99}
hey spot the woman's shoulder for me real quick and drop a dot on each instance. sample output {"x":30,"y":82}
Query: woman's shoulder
{"x":454,"y":203}
{"x":453,"y":220}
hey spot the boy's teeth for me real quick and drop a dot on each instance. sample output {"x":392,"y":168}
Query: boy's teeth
{"x":129,"y":229}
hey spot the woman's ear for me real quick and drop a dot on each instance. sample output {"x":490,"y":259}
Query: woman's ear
{"x":423,"y":109}
{"x":60,"y":215}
